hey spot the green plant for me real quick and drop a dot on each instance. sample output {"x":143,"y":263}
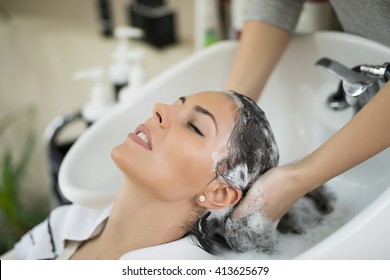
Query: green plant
{"x":16,"y":216}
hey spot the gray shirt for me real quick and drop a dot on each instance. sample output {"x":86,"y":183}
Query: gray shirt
{"x":367,"y":18}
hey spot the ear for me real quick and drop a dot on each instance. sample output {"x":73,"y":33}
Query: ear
{"x":220,"y":195}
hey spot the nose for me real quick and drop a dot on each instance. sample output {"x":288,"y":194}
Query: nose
{"x":164,"y":114}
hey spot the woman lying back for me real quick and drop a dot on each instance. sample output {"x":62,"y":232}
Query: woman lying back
{"x":185,"y":169}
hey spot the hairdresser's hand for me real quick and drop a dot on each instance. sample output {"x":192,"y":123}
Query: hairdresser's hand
{"x":274,"y":193}
{"x":364,"y":136}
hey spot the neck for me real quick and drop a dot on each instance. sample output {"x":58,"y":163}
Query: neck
{"x":139,"y":220}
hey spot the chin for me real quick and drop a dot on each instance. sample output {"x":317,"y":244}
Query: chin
{"x":118,"y":156}
{"x":128,"y":163}
{"x":115,"y":154}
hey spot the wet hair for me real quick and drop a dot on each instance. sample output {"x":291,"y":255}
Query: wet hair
{"x":251,"y":151}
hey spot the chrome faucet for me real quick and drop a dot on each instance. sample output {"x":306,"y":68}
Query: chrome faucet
{"x":358,"y":85}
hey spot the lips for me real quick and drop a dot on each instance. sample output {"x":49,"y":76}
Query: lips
{"x":142,"y":136}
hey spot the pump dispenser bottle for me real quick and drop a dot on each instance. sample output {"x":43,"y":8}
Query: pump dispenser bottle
{"x":57,"y":145}
{"x":119,"y":69}
{"x":137,"y":76}
{"x":100,"y":99}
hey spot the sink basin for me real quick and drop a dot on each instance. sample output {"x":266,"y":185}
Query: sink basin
{"x":294,"y":101}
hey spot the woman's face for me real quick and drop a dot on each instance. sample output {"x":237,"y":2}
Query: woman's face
{"x":172,"y":154}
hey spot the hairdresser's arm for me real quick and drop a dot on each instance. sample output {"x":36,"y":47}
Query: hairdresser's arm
{"x":261,"y":46}
{"x":367,"y":134}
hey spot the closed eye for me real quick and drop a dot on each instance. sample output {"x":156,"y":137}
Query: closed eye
{"x":195,"y":128}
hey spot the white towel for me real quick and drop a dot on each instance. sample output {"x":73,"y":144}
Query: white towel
{"x":77,"y":223}
{"x":70,"y":222}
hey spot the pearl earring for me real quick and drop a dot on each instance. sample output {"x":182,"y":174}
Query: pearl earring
{"x":202,"y":198}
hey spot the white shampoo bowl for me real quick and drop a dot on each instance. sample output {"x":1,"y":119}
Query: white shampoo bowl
{"x":294,"y":102}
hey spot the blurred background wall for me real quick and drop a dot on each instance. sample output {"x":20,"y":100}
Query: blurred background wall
{"x":42,"y":43}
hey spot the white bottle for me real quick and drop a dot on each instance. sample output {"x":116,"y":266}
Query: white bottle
{"x":137,"y":76}
{"x":119,"y":69}
{"x":100,"y":98}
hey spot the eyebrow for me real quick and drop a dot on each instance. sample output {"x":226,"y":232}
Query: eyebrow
{"x":202,"y":110}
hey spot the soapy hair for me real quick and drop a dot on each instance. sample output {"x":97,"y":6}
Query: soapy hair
{"x":251,"y":151}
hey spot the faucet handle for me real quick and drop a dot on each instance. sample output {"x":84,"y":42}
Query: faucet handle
{"x":354,"y":83}
{"x":381,"y":71}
